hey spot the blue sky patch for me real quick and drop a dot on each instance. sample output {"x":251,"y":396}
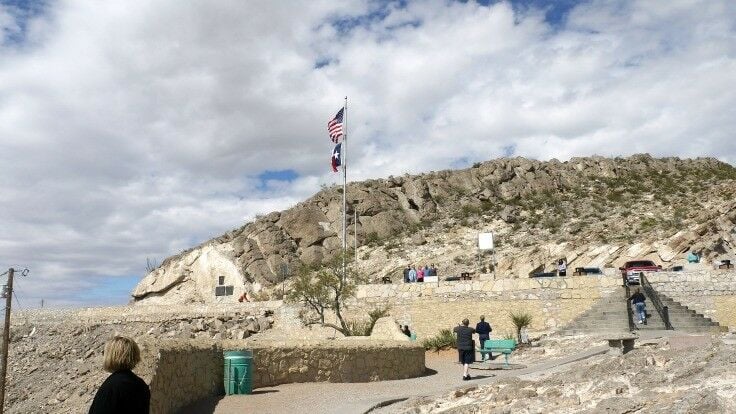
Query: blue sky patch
{"x":509,"y":150}
{"x":110,"y":290}
{"x":345,"y":25}
{"x":22,"y":11}
{"x":556,"y":11}
{"x":279,"y":175}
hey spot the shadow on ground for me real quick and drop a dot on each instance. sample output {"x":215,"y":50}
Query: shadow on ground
{"x":428,"y":372}
{"x":206,"y":406}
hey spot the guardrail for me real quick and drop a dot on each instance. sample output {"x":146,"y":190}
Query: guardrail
{"x":656,"y":301}
{"x":629,"y":312}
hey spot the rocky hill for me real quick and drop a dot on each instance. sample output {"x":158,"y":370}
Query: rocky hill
{"x":593,"y":211}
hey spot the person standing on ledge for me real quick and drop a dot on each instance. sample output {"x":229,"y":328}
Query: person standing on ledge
{"x":123,"y":392}
{"x":465,"y":346}
{"x":483,"y":329}
{"x":561,"y":267}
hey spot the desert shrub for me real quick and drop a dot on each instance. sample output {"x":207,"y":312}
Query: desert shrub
{"x":445,"y":339}
{"x":615,"y":196}
{"x":392,"y":244}
{"x":362,"y":327}
{"x":372,"y":239}
{"x":260,"y":296}
{"x":520,"y":320}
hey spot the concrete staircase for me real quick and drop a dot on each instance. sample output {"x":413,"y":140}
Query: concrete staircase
{"x":609,"y":316}
{"x":685,"y":319}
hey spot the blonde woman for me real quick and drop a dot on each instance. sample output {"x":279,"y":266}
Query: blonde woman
{"x":122,"y":392}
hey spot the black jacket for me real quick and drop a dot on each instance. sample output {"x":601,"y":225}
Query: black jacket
{"x":483,"y":329}
{"x":123,"y":392}
{"x":637,"y":298}
{"x":465,"y":337}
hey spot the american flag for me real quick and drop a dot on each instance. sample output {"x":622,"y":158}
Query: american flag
{"x":334,"y":127}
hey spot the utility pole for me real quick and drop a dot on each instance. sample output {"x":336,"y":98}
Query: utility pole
{"x":8,"y":292}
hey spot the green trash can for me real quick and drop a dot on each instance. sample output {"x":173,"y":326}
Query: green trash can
{"x":238,"y":372}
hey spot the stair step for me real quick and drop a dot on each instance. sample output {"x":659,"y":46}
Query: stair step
{"x":611,"y":315}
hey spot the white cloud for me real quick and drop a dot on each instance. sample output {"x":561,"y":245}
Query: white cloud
{"x":134,"y":130}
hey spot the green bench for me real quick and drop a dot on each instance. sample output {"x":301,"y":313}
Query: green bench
{"x":504,"y":346}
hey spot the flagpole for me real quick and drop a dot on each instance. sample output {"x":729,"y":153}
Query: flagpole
{"x":344,"y":163}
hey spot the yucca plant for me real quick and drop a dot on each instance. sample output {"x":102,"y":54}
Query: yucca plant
{"x":520,"y":320}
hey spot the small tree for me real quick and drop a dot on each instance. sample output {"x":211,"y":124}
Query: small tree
{"x":326,"y":288}
{"x":306,"y":290}
{"x":520,"y":320}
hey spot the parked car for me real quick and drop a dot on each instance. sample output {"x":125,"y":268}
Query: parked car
{"x":632,"y":270}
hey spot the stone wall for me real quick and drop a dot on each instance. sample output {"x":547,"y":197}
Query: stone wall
{"x":346,"y":360}
{"x":180,"y":372}
{"x":707,"y":291}
{"x":430,"y":307}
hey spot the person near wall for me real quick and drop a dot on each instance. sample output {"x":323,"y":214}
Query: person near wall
{"x":465,"y":346}
{"x":483,"y":329}
{"x":406,"y":331}
{"x":638,"y":300}
{"x":420,"y":274}
{"x":412,"y":274}
{"x":561,"y":267}
{"x":406,"y":274}
{"x":434,"y":270}
{"x":122,"y":392}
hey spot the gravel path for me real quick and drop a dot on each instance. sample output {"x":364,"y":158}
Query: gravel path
{"x":443,"y":375}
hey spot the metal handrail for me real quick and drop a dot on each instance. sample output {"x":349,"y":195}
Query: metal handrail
{"x":656,"y":301}
{"x":629,"y":312}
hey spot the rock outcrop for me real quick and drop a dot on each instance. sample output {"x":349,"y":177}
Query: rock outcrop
{"x":592,"y":211}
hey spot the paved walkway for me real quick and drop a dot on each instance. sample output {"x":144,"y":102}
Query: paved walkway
{"x":443,"y":375}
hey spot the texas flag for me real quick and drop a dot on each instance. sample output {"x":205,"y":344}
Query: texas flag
{"x":336,"y":157}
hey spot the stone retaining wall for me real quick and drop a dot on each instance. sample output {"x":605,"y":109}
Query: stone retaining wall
{"x":707,"y":291}
{"x":429,"y":307}
{"x":181,"y":372}
{"x":346,"y":360}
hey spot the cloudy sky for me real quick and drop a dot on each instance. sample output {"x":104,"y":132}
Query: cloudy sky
{"x":135,"y":129}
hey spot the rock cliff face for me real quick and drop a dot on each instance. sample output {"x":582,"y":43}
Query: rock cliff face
{"x":592,"y":211}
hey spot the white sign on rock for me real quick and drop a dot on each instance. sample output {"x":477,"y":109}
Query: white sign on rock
{"x":485,"y":241}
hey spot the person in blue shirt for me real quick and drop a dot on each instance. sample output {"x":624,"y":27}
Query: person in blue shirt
{"x":483,"y":329}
